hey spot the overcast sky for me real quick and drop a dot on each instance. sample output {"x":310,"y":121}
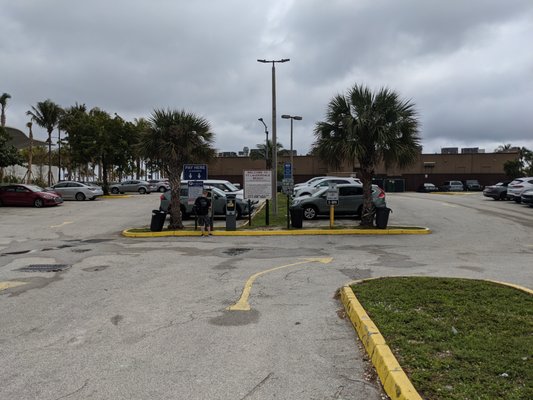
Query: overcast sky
{"x":466,"y":65}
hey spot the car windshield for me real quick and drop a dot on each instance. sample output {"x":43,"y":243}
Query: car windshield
{"x":232,"y":187}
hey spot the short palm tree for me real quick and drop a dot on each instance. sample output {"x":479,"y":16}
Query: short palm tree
{"x":3,"y":104}
{"x":46,"y":114}
{"x":175,"y":138}
{"x":368,"y":128}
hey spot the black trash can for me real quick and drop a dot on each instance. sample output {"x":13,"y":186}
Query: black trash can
{"x":297,"y":217}
{"x":158,"y":220}
{"x":382,"y":217}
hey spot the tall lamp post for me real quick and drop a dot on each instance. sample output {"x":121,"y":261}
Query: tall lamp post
{"x":297,"y":118}
{"x":267,"y":219}
{"x":274,"y":137}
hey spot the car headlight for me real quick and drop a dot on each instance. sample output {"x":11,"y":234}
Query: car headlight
{"x":296,"y":202}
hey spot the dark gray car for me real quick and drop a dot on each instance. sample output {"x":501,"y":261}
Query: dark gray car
{"x":350,"y":201}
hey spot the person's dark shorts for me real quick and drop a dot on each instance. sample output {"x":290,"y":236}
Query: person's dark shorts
{"x":203,"y":220}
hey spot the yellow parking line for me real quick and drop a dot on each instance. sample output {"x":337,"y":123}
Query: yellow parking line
{"x":10,"y":284}
{"x":62,"y":224}
{"x":243,"y":305}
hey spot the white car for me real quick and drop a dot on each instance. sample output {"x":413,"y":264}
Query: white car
{"x":71,"y":190}
{"x":519,"y":185}
{"x":321,"y":183}
{"x":225,"y":186}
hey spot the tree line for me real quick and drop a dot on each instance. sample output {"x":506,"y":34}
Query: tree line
{"x":361,"y":126}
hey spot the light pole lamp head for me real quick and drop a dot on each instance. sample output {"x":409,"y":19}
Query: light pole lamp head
{"x":297,"y":118}
{"x":285,"y":116}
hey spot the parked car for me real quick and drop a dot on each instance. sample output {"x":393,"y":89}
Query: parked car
{"x":308,"y":182}
{"x":27,"y":195}
{"x":350,"y":201}
{"x":161,"y":185}
{"x":427,"y":188}
{"x":527,"y":197}
{"x":71,"y":190}
{"x":143,"y":187}
{"x":452,"y":186}
{"x":472,"y":185}
{"x":324,"y":183}
{"x":516,"y":187}
{"x":218,"y":197}
{"x":497,"y":192}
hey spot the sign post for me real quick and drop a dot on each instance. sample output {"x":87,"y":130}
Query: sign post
{"x":258,"y":186}
{"x":332,"y":199}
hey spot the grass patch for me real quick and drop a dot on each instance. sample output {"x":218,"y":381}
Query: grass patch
{"x":456,"y":338}
{"x":278,"y":221}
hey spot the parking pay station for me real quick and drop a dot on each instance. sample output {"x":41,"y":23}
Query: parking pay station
{"x":231,"y":212}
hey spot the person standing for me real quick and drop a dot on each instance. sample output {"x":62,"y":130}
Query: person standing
{"x":203,"y":209}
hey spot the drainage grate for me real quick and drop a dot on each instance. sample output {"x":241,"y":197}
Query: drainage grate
{"x":236,"y":251}
{"x":44,"y":268}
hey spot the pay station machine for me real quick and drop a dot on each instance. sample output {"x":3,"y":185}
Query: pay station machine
{"x":231,"y":212}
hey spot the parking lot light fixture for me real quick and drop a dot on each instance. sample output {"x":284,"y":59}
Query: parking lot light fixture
{"x":274,"y":137}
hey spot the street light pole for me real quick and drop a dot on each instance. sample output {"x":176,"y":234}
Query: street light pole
{"x":267,"y":206}
{"x":297,"y":118}
{"x":274,"y":136}
{"x":266,"y":143}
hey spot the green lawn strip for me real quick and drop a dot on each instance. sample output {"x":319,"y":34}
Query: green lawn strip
{"x":456,"y":338}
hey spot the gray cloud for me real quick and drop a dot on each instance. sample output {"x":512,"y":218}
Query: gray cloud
{"x":466,"y":65}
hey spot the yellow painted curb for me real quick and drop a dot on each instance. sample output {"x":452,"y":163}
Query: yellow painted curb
{"x":115,"y":196}
{"x":394,"y":380}
{"x":282,"y":232}
{"x":10,"y":284}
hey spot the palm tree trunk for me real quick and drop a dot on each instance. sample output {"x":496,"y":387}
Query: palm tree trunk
{"x":30,"y":155}
{"x":367,"y":215}
{"x":175,"y":203}
{"x":49,"y":158}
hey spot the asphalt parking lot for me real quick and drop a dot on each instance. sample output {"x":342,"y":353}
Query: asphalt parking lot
{"x":128,"y":318}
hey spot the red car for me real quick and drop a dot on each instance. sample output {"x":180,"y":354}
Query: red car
{"x":17,"y":194}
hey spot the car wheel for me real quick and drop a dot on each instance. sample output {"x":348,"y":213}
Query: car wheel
{"x":80,"y":196}
{"x":359,"y":212}
{"x":38,"y":203}
{"x":503,"y":196}
{"x":1,"y":204}
{"x":162,"y":189}
{"x":142,"y":190}
{"x":114,"y":190}
{"x":517,"y":200}
{"x":92,"y":198}
{"x":310,"y":212}
{"x":239,"y":213}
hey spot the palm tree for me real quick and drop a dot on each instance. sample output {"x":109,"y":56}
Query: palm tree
{"x":262,"y":149}
{"x":175,"y":138}
{"x":3,"y":104}
{"x":368,"y":128}
{"x":503,"y":148}
{"x":46,"y":114}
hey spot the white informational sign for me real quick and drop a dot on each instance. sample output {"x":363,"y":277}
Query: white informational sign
{"x":258,"y":185}
{"x":332,"y":195}
{"x":196,"y":189}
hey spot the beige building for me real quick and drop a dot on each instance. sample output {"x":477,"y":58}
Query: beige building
{"x":487,"y":168}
